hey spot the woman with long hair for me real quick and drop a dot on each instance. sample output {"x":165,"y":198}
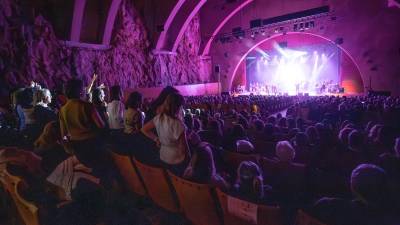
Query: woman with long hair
{"x":171,"y":138}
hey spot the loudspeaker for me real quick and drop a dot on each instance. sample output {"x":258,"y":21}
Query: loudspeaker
{"x":283,"y":44}
{"x":217,"y":69}
{"x":339,"y":41}
{"x":225,"y":93}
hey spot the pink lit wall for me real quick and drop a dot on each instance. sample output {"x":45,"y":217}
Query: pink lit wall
{"x":186,"y":90}
{"x":370,"y":32}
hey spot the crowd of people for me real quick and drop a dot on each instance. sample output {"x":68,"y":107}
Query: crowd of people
{"x":337,"y":158}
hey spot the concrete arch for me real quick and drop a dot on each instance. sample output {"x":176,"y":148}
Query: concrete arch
{"x":176,"y":24}
{"x":215,"y":27}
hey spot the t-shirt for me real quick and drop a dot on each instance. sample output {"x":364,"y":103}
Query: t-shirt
{"x":169,"y":130}
{"x":76,"y":120}
{"x":133,"y":121}
{"x":115,"y":110}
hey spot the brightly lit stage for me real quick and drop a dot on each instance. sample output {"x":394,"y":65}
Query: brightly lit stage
{"x":312,"y":69}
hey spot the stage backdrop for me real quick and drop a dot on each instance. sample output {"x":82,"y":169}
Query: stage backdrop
{"x":299,"y":69}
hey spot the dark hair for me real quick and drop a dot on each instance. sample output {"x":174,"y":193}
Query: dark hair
{"x":259,"y":125}
{"x":203,"y":165}
{"x":74,"y":88}
{"x":249,"y":179}
{"x":25,"y":98}
{"x":96,"y":96}
{"x":162,"y":96}
{"x":115,"y":93}
{"x":134,"y":100}
{"x":172,"y":104}
{"x":355,"y":139}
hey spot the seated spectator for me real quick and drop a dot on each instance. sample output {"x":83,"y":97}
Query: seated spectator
{"x":244,"y":146}
{"x":302,"y":147}
{"x":368,"y":184}
{"x":42,"y":113}
{"x":312,"y":135}
{"x":213,"y":133}
{"x":333,"y":211}
{"x":237,"y":133}
{"x":250,"y":184}
{"x":201,"y":168}
{"x":285,"y":152}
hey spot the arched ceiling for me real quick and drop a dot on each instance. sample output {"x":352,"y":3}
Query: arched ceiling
{"x":369,"y":30}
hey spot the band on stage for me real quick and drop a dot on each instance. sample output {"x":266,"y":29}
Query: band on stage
{"x":320,"y":88}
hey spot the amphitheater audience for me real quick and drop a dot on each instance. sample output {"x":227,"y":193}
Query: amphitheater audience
{"x":320,"y":147}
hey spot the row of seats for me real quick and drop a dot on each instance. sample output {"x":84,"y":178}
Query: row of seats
{"x":199,"y":203}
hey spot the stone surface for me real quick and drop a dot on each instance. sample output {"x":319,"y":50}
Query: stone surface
{"x":30,"y":51}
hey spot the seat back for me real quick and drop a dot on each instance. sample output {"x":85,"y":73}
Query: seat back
{"x":129,"y":173}
{"x":158,"y":186}
{"x":249,"y":214}
{"x":266,"y":148}
{"x":303,"y":218}
{"x":196,"y":201}
{"x":233,"y":159}
{"x":28,"y":212}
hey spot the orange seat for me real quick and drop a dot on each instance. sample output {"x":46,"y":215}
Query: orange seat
{"x":129,"y":173}
{"x":233,"y":159}
{"x":27,"y":211}
{"x":196,"y":201}
{"x":303,"y":218}
{"x":158,"y":186}
{"x":265,"y":215}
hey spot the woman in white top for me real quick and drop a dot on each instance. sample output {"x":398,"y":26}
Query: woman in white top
{"x":174,"y":150}
{"x":115,"y":109}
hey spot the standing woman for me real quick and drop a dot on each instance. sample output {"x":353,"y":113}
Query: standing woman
{"x":174,"y":150}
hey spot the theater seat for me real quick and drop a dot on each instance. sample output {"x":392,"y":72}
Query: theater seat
{"x":27,"y":211}
{"x":303,"y":218}
{"x":158,"y":186}
{"x":265,"y":148}
{"x":196,"y":201}
{"x":250,"y":214}
{"x":233,"y":159}
{"x":129,"y":173}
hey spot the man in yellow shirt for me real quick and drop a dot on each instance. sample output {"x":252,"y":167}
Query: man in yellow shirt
{"x":81,"y":126}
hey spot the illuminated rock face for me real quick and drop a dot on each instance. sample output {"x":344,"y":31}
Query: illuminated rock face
{"x":30,"y":51}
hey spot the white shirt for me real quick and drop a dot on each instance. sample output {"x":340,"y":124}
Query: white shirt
{"x":115,"y":111}
{"x":169,"y":130}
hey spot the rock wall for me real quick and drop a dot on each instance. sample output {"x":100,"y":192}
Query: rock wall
{"x":29,"y":50}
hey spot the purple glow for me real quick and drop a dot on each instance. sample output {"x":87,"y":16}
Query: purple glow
{"x":302,"y":69}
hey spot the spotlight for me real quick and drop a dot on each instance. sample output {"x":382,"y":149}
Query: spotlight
{"x":276,"y":31}
{"x":263,"y":32}
{"x":252,"y":35}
